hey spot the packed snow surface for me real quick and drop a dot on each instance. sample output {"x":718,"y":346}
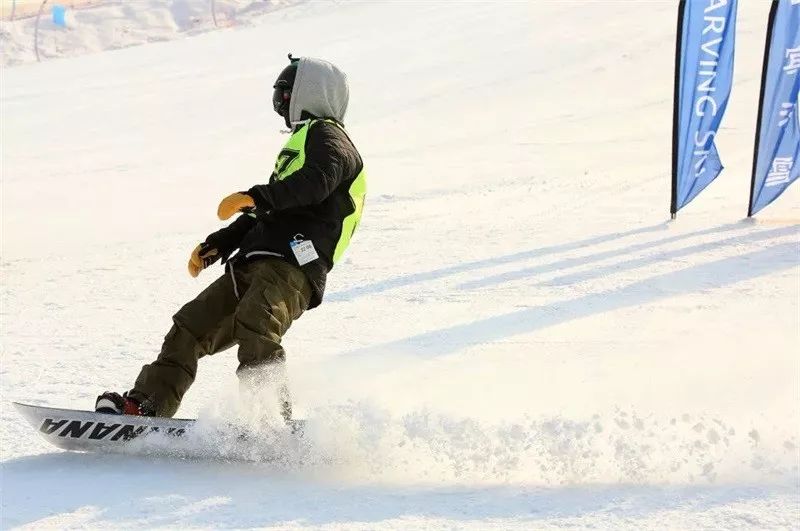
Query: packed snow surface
{"x":517,"y":337}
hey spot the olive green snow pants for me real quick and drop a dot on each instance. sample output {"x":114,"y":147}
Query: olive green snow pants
{"x":253,"y":310}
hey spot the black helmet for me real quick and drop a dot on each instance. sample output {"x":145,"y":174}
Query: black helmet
{"x":283,"y":90}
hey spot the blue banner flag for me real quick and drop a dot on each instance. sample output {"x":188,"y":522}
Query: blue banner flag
{"x":703,"y":78}
{"x":775,"y":164}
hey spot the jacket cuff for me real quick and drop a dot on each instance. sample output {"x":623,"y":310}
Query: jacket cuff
{"x":260,"y":195}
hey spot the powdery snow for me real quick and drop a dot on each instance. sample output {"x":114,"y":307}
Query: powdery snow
{"x":517,"y":337}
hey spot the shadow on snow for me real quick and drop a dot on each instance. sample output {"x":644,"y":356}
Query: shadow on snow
{"x":407,"y":280}
{"x":693,"y":279}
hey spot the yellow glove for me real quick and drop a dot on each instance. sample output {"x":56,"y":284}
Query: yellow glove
{"x":203,"y":256}
{"x":233,"y":204}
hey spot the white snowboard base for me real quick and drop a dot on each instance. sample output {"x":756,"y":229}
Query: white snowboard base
{"x":89,"y":431}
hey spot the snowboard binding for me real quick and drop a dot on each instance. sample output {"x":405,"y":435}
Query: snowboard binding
{"x":116,"y":404}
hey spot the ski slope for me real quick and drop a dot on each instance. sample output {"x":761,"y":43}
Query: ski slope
{"x":517,"y":337}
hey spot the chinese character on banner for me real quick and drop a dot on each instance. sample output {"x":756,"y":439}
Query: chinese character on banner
{"x":793,"y":60}
{"x":787,"y":109}
{"x":779,"y":174}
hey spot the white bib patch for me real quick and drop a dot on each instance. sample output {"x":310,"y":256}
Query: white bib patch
{"x":303,"y":250}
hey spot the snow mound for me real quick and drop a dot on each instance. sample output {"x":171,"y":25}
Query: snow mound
{"x":114,"y":24}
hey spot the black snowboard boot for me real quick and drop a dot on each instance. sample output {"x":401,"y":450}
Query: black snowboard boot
{"x":116,"y":404}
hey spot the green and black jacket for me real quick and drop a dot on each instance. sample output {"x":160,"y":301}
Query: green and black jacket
{"x":316,"y":193}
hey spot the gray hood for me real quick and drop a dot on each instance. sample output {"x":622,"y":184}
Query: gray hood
{"x":320,"y":89}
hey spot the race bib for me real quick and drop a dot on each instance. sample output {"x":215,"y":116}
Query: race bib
{"x":303,"y":250}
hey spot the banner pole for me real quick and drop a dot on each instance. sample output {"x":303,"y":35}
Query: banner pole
{"x":36,"y":31}
{"x":770,"y":23}
{"x":673,"y":209}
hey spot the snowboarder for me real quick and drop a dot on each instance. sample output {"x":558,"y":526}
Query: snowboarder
{"x":289,"y":233}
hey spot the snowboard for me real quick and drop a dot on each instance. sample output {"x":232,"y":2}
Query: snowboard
{"x":89,"y":431}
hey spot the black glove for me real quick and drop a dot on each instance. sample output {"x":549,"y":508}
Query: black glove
{"x":227,"y":240}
